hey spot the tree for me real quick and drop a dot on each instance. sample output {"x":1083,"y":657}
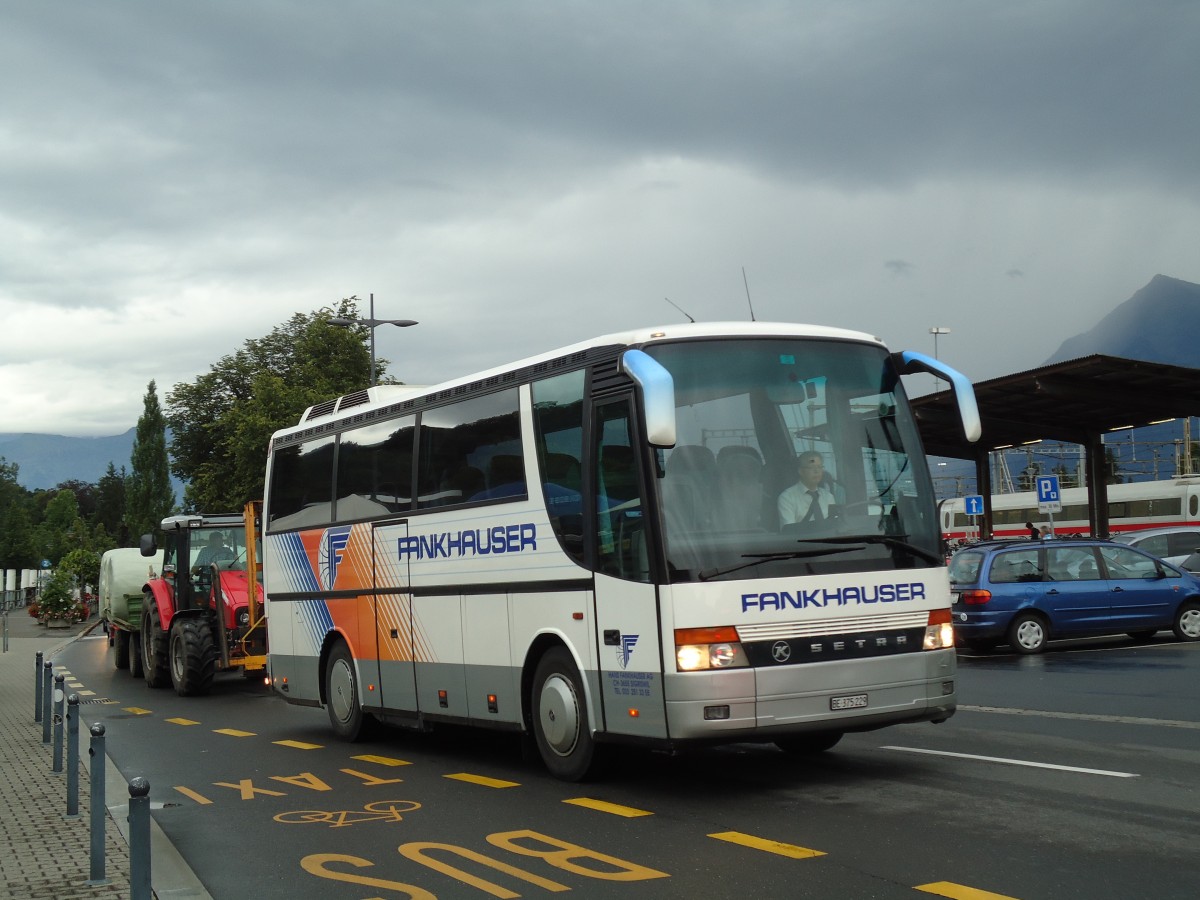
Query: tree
{"x":57,"y":600}
{"x":18,"y":543}
{"x":1112,"y":467}
{"x":55,"y":536}
{"x":149,"y":497}
{"x":222,"y":423}
{"x":110,"y":505}
{"x":84,"y":566}
{"x":85,"y":495}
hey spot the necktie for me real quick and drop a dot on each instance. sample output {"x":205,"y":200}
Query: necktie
{"x":814,"y":507}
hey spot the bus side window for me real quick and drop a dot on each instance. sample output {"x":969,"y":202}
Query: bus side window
{"x":620,"y":525}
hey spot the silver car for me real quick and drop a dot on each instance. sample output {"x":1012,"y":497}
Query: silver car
{"x":1173,"y":543}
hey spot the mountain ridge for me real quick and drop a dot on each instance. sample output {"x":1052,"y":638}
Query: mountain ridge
{"x":1157,"y":324}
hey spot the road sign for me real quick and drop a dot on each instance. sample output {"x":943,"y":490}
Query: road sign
{"x":1049,"y":498}
{"x":973,"y":504}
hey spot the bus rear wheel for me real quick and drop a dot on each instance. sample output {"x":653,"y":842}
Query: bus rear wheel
{"x":560,"y":718}
{"x":343,"y":699}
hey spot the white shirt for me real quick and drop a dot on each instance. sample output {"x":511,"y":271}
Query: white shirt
{"x":794,"y":503}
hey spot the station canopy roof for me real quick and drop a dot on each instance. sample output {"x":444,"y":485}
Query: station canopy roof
{"x":1068,"y":401}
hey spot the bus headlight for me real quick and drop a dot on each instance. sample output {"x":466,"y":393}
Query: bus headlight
{"x":697,"y":649}
{"x":939,"y":633}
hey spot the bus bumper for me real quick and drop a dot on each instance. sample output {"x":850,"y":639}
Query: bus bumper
{"x":759,"y":704}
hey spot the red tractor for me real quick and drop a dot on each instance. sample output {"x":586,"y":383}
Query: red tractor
{"x":203,"y":612}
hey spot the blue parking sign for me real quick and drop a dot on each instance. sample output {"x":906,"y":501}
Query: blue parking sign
{"x":1047,"y":489}
{"x":1049,"y":499}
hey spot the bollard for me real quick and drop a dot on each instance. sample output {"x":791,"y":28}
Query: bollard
{"x":139,"y":839}
{"x":59,"y":699}
{"x":47,"y":674}
{"x":97,"y":776}
{"x":37,"y":687}
{"x":73,"y":756}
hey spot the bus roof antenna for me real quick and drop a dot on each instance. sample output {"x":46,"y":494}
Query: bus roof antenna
{"x":748,"y":303}
{"x":680,"y":308}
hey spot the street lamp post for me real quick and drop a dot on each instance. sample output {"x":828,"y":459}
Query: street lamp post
{"x":372,"y":323}
{"x":935,"y":331}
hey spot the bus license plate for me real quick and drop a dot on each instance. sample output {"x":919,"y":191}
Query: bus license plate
{"x":854,"y":701}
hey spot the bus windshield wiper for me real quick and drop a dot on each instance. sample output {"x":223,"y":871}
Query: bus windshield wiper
{"x":757,"y":558}
{"x":886,"y":540}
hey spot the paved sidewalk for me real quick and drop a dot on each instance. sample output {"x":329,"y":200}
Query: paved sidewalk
{"x":45,"y":855}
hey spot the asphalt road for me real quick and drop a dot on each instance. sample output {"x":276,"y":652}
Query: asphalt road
{"x":1072,"y":774}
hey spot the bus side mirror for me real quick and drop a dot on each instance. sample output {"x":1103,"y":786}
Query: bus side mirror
{"x":657,"y":395}
{"x":147,"y":545}
{"x":909,"y":361}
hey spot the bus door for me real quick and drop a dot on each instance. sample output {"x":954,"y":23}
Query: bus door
{"x":390,"y":609}
{"x":627,"y":621}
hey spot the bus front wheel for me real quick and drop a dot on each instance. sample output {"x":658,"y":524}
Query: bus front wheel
{"x":560,"y":718}
{"x":343,"y":699}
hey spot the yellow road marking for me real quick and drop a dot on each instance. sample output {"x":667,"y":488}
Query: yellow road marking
{"x":383,"y":760}
{"x":299,"y":745}
{"x":199,"y":798}
{"x":483,"y":780}
{"x":87,"y":693}
{"x":233,"y":732}
{"x":959,"y":891}
{"x":183,"y":722}
{"x":602,"y":806}
{"x":756,"y":843}
{"x":137,"y":711}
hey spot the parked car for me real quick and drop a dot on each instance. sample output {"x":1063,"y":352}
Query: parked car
{"x":1173,"y":543}
{"x":1028,"y":592}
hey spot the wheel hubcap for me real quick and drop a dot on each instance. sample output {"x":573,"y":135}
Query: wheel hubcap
{"x":1029,"y":635}
{"x":559,"y":715}
{"x":341,"y":690}
{"x":1189,"y":623}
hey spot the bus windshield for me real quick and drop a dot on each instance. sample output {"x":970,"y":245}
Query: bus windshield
{"x":793,"y":456}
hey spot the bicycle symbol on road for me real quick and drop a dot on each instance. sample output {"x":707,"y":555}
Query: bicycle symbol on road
{"x":379,"y":811}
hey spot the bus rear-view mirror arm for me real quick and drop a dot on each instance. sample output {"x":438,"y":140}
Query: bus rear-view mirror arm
{"x":657,"y":396}
{"x":910,"y":361}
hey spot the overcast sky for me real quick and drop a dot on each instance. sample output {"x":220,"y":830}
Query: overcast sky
{"x":176,"y":178}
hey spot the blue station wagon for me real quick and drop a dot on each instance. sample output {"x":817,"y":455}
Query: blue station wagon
{"x":1027,"y":592}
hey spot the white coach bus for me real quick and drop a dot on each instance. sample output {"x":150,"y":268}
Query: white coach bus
{"x":587,"y":546}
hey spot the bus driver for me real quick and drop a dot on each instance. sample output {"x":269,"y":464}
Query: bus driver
{"x":808,"y":500}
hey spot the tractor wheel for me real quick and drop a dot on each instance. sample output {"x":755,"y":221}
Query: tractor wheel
{"x":193,"y":655}
{"x":154,"y":645}
{"x":135,"y":652}
{"x":120,"y":640}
